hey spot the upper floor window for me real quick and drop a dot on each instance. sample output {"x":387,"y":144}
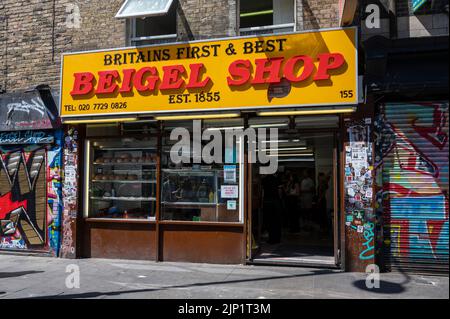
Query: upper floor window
{"x":149,"y":21}
{"x":266,"y":16}
{"x":143,"y":8}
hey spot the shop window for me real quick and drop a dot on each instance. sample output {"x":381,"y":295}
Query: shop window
{"x":109,"y":129}
{"x":150,"y":24}
{"x":266,"y":16}
{"x":198,"y":191}
{"x":120,"y":173}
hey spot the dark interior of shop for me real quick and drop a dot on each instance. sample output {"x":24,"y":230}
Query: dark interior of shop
{"x":293,"y":211}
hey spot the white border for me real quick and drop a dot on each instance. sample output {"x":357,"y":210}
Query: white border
{"x":210,"y":109}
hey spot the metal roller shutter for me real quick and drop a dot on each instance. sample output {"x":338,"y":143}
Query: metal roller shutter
{"x":412,"y":179}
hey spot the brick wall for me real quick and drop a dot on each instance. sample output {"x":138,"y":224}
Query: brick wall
{"x":34,"y":33}
{"x":202,"y":19}
{"x":319,"y":14}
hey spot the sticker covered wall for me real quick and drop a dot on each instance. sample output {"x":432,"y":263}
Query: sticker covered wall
{"x":360,"y":221}
{"x":70,"y":193}
{"x":412,"y":185}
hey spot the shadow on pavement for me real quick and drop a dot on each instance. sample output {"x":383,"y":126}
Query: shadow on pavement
{"x":386,"y":287}
{"x":18,"y":273}
{"x":115,"y":293}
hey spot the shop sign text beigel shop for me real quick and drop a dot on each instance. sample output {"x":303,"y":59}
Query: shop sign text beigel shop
{"x":297,"y":69}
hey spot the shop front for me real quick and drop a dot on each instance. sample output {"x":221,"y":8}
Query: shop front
{"x":226,"y":151}
{"x":30,"y":172}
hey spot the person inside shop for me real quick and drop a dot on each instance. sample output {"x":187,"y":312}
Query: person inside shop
{"x":168,"y":189}
{"x":272,"y":207}
{"x":185,"y":192}
{"x":203,"y":192}
{"x":306,"y":195}
{"x":322,"y":188}
{"x":292,"y":191}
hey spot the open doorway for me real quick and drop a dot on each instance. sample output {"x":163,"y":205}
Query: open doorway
{"x":293,"y":216}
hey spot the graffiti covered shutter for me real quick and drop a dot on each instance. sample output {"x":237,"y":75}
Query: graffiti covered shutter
{"x":412,"y":180}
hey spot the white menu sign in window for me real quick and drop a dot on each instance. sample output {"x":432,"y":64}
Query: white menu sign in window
{"x":229,"y":191}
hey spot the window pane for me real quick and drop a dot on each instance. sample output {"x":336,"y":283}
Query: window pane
{"x":256,"y":13}
{"x":122,"y":178}
{"x":283,"y":11}
{"x":270,"y":16}
{"x":143,"y":8}
{"x":200,"y":191}
{"x":160,"y":25}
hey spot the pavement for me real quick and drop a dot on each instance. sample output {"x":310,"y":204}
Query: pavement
{"x":47,"y":277}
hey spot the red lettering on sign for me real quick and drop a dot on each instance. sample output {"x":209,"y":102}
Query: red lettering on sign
{"x":172,"y":77}
{"x":270,"y":67}
{"x":327,"y":62}
{"x":290,"y":66}
{"x":127,"y":80}
{"x":83,"y":83}
{"x":195,"y":78}
{"x":147,"y":74}
{"x":106,"y":81}
{"x":239,"y":72}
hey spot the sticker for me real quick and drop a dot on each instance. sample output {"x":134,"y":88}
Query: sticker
{"x":359,"y":214}
{"x":368,"y":120}
{"x":348,"y":171}
{"x":229,"y":191}
{"x":369,"y":193}
{"x":349,"y":218}
{"x":350,"y":192}
{"x":229,"y":173}
{"x":348,"y":223}
{"x":231,"y":204}
{"x":360,"y":229}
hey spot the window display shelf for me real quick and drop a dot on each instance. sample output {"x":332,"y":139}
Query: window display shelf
{"x":124,"y":181}
{"x":189,"y":204}
{"x":125,"y":163}
{"x":147,"y":220}
{"x":118,"y":149}
{"x":132,"y":199}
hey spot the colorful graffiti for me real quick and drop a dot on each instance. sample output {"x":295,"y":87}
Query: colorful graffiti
{"x":54,"y":194}
{"x":358,"y":183}
{"x":70,"y":193}
{"x":25,"y":192}
{"x":412,"y":180}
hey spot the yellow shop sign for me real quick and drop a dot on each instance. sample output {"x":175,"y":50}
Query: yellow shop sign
{"x":298,"y":69}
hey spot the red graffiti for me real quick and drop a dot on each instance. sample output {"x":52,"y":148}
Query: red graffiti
{"x":7,"y":205}
{"x":434,"y":134}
